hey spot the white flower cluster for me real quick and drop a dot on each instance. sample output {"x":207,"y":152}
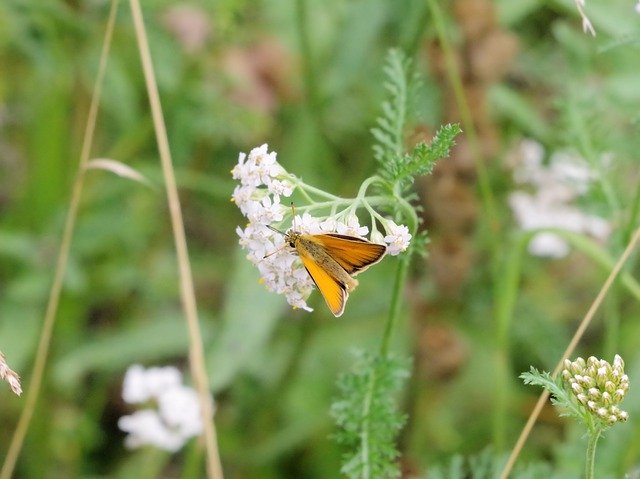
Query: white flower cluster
{"x":177,"y":417}
{"x":263,"y":181}
{"x":599,"y":386}
{"x":555,"y":187}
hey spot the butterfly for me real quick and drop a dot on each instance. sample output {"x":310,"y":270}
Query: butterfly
{"x":332,"y":260}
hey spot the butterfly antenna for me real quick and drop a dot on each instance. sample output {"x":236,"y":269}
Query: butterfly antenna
{"x":274,"y":252}
{"x":279,"y":249}
{"x":276,"y":230}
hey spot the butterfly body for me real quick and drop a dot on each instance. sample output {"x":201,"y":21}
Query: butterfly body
{"x":332,"y":260}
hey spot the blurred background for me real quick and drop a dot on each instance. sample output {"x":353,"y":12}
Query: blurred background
{"x":546,"y":102}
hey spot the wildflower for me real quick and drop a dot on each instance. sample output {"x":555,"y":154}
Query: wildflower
{"x":177,"y":417}
{"x":263,"y":183}
{"x":398,"y":238}
{"x":608,"y":384}
{"x":555,"y":187}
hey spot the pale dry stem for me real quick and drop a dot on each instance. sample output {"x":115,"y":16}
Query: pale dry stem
{"x":187,"y":294}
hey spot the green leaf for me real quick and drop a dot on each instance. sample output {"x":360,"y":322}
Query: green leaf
{"x":156,"y":340}
{"x":248,"y":320}
{"x":367,"y":416}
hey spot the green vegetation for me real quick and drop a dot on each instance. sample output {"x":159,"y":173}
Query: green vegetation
{"x":420,"y":376}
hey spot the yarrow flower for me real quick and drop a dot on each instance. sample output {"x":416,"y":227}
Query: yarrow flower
{"x":263,"y":184}
{"x":598,"y":386}
{"x":555,"y":187}
{"x":176,"y":417}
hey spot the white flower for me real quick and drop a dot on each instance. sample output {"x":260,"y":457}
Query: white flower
{"x":397,"y":239}
{"x":549,"y":205}
{"x":267,"y":211}
{"x":141,"y":385}
{"x":180,"y":409}
{"x":145,"y":427}
{"x":307,"y":224}
{"x":352,"y":227}
{"x":263,"y":181}
{"x":281,"y":187}
{"x":177,"y":417}
{"x":260,"y":168}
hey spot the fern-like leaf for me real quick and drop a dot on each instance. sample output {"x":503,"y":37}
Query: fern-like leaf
{"x":560,"y":397}
{"x":424,"y":156}
{"x":389,"y":130}
{"x":396,"y":165}
{"x":367,"y":417}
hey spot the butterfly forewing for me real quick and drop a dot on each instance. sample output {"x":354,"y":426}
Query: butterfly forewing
{"x":351,"y":253}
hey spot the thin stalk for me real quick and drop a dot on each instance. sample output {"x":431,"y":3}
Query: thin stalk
{"x":364,"y":434}
{"x":187,"y":294}
{"x":394,"y":308}
{"x":42,"y":352}
{"x":634,"y":213}
{"x":392,"y":319}
{"x":506,"y":291}
{"x":589,"y":469}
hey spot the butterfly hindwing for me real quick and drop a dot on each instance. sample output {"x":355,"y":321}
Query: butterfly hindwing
{"x":333,"y":291}
{"x":353,"y":254}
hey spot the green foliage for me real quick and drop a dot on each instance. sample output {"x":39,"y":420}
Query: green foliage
{"x":367,"y":417}
{"x":396,"y":165}
{"x":274,"y":370}
{"x":423,"y":157}
{"x":561,"y":398}
{"x":389,"y":133}
{"x":487,"y":465}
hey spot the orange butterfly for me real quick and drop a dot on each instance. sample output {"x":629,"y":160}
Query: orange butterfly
{"x":332,"y":260}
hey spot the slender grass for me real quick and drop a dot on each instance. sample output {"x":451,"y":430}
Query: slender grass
{"x":187,"y":293}
{"x":584,"y":324}
{"x":44,"y":342}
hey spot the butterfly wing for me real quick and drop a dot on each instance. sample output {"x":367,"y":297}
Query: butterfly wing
{"x":333,"y":291}
{"x":353,"y":254}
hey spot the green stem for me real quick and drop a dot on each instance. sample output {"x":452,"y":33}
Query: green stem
{"x":364,"y":434}
{"x":394,"y":309}
{"x":506,"y":292}
{"x":594,"y":435}
{"x":634,"y":212}
{"x":398,"y":288}
{"x":306,"y":189}
{"x":394,"y":313}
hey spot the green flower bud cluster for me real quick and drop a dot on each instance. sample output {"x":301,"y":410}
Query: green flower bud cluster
{"x":598,"y":386}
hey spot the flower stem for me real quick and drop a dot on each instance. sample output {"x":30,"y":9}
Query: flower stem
{"x":394,"y":309}
{"x":594,"y":435}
